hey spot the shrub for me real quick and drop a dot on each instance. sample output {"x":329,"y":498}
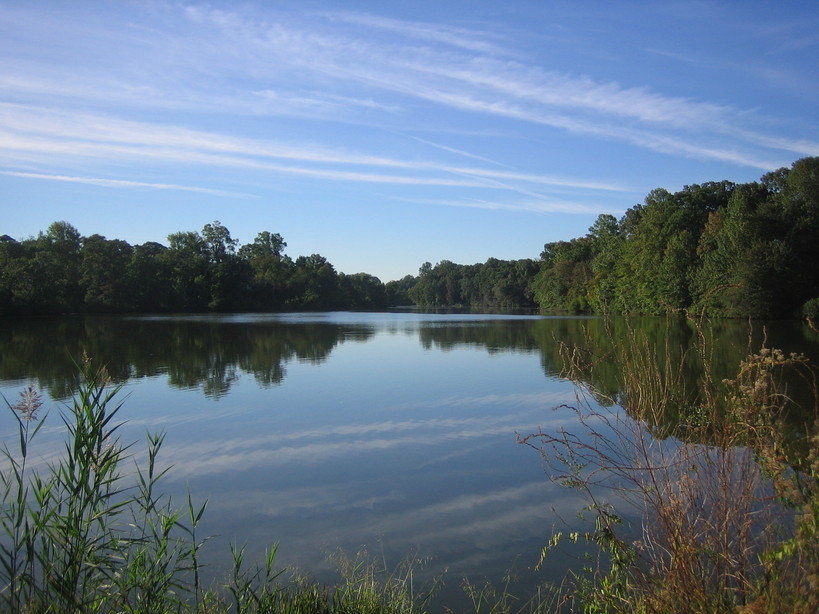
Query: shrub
{"x":810,"y":309}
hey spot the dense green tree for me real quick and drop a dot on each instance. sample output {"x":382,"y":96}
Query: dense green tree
{"x":438,"y":286}
{"x":230,"y":285}
{"x":61,"y":271}
{"x":607,"y":240}
{"x":398,"y":291}
{"x":447,"y":287}
{"x":57,"y":267}
{"x":504,"y":284}
{"x":63,"y":237}
{"x":228,"y":276}
{"x":150,"y":274}
{"x":660,"y":254}
{"x":218,"y":242}
{"x":563,"y":282}
{"x":187,"y":258}
{"x":755,"y":250}
{"x":420,"y":293}
{"x":767,"y":284}
{"x":314,"y":284}
{"x":15,"y":280}
{"x":104,"y":274}
{"x":802,"y":211}
{"x":733,"y":250}
{"x":270,"y":270}
{"x":496,"y":284}
{"x":362,"y":291}
{"x":639,"y":271}
{"x":723,"y":283}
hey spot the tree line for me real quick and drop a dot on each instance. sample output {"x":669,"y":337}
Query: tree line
{"x":734,"y":250}
{"x":731,"y":250}
{"x":497,"y":284}
{"x":60,"y":271}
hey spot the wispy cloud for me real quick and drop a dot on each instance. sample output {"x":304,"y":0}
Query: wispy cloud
{"x":454,"y":150}
{"x":121,"y":183}
{"x":474,"y":77}
{"x":341,"y":68}
{"x":60,"y":133}
{"x":512,"y":81}
{"x":468,"y":39}
{"x":533,"y":206}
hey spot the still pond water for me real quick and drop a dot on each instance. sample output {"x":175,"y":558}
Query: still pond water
{"x":393,"y":432}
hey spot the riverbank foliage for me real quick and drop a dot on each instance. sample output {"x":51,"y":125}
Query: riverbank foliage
{"x":733,"y":249}
{"x":61,"y":271}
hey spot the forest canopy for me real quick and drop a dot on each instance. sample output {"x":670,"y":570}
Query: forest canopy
{"x":61,"y":271}
{"x":733,"y":250}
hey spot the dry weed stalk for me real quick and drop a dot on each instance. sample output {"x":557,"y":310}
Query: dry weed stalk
{"x":709,"y":473}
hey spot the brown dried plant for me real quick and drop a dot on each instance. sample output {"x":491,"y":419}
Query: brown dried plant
{"x":727,"y":510}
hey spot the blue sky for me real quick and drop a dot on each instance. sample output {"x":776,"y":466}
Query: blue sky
{"x":385,"y":134}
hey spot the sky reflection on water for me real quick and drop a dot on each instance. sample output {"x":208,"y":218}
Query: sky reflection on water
{"x":386,"y":440}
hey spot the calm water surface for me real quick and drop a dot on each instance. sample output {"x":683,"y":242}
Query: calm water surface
{"x":394,"y":433}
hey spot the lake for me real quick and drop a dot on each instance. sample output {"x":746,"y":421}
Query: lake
{"x":393,"y":433}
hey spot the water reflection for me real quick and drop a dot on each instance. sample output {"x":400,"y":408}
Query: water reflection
{"x":210,"y":353}
{"x":205,"y":353}
{"x":391,"y":431}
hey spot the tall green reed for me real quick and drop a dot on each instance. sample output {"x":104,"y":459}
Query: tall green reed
{"x":19,"y":529}
{"x":81,"y":535}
